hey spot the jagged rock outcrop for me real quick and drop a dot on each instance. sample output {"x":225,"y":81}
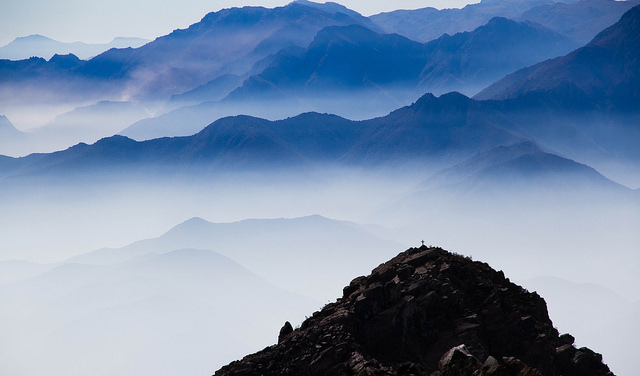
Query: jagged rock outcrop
{"x":426,"y":312}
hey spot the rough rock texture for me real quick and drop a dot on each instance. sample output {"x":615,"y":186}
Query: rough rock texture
{"x":426,"y":312}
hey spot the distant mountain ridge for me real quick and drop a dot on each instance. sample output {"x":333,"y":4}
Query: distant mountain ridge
{"x":40,"y":46}
{"x":457,"y":63}
{"x":588,"y":97}
{"x":295,"y":52}
{"x":427,"y":24}
{"x":450,"y":126}
{"x":187,"y":58}
{"x":605,"y":70}
{"x":6,"y":128}
{"x":434,"y":130}
{"x":520,"y":168}
{"x":578,"y":20}
{"x":384,"y":72}
{"x":270,"y":248}
{"x":10,"y":136}
{"x":175,"y":304}
{"x":505,"y":180}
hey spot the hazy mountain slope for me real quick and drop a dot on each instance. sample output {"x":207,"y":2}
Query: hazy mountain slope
{"x":11,"y":139}
{"x":144,"y":313}
{"x":228,"y":42}
{"x":223,"y":42}
{"x":580,"y":20}
{"x":213,"y":90}
{"x":89,"y":123}
{"x":426,"y":24}
{"x":384,"y":72}
{"x":39,"y":80}
{"x":235,"y":142}
{"x":586,"y":104}
{"x":44,"y":47}
{"x":336,"y":8}
{"x":521,"y":168}
{"x":605,"y":71}
{"x":7,"y":131}
{"x":448,"y":127}
{"x":310,"y":255}
{"x":322,"y":67}
{"x":518,"y":181}
{"x":433,"y":130}
{"x":467,"y":62}
{"x":464,"y":62}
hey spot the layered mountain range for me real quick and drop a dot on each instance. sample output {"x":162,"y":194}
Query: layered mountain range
{"x":432,"y":130}
{"x":450,"y":126}
{"x":230,"y":41}
{"x":384,"y":71}
{"x":511,"y":132}
{"x":603,"y":73}
{"x":175,"y":295}
{"x":255,"y":57}
{"x":579,"y":20}
{"x":460,"y":62}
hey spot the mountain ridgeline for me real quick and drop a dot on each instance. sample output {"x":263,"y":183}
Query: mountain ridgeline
{"x":587,"y":114}
{"x":602,"y":73}
{"x":464,"y":62}
{"x":280,"y":62}
{"x":452,"y":126}
{"x":426,"y":312}
{"x":41,"y":46}
{"x":588,"y":97}
{"x":230,"y":41}
{"x":357,"y":72}
{"x":433,"y":131}
{"x":578,"y":20}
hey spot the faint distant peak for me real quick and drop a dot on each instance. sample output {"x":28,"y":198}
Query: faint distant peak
{"x":34,"y":37}
{"x":314,"y":218}
{"x":129,"y":40}
{"x":327,"y":7}
{"x":7,"y":129}
{"x":45,"y":47}
{"x":192,"y":224}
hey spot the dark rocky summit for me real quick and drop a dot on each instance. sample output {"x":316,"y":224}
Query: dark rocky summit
{"x":426,"y":312}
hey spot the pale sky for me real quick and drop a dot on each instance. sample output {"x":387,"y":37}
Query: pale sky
{"x":101,"y":21}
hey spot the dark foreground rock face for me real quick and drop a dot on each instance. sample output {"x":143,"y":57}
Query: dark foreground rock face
{"x":426,"y":312}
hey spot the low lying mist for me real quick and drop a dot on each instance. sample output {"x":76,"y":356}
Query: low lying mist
{"x":77,"y":301}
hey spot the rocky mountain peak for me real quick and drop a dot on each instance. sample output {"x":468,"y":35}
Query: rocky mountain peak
{"x":426,"y":312}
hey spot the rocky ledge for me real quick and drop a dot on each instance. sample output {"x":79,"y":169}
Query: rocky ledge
{"x":426,"y":312}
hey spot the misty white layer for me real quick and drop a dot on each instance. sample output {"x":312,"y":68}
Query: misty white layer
{"x":186,"y":311}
